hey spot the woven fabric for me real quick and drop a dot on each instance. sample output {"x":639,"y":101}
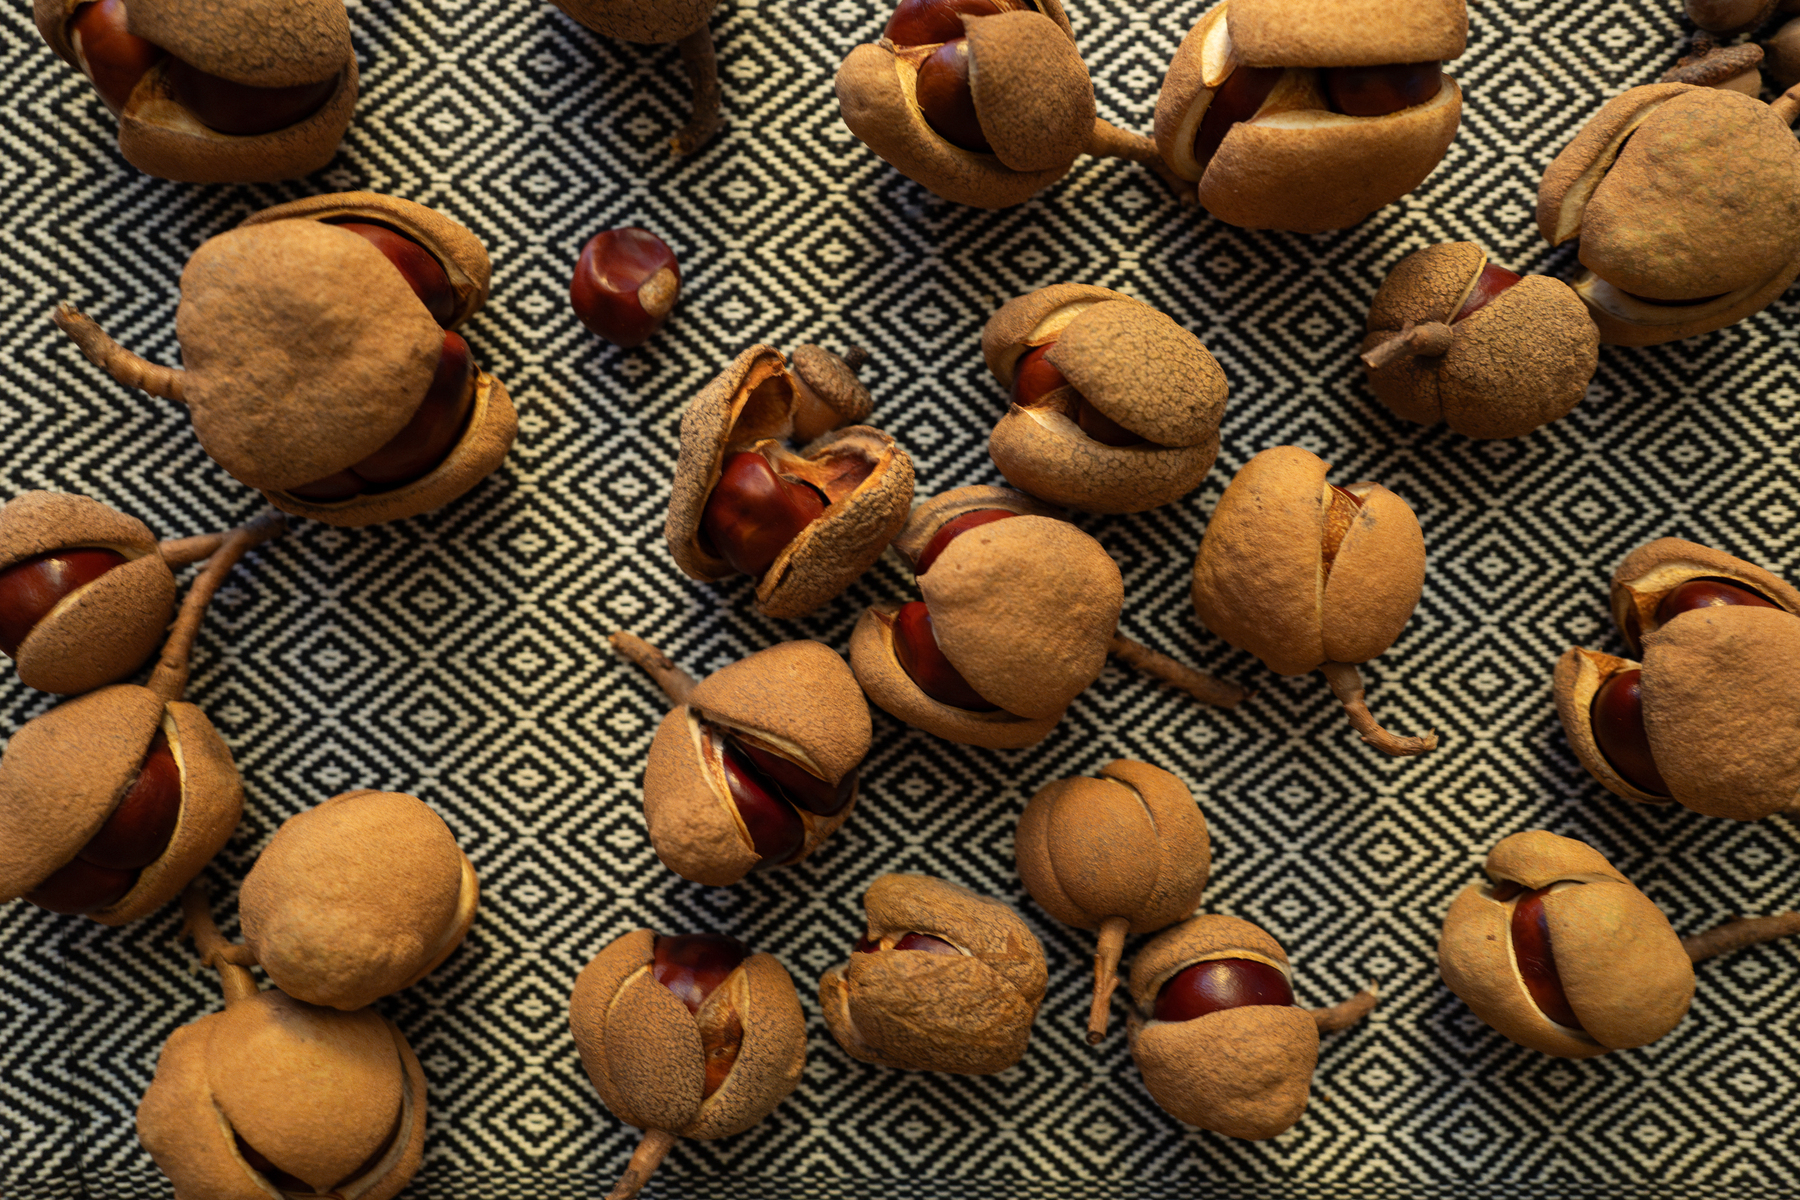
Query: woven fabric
{"x":461,"y":656}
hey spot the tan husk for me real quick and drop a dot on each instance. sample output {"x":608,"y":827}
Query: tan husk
{"x":1626,"y":321}
{"x":1032,"y":94}
{"x":353,"y":899}
{"x":694,"y":828}
{"x":264,"y":43}
{"x":1202,"y":62}
{"x":1728,"y":16}
{"x":934,"y":513}
{"x":1579,"y":674}
{"x":651,"y":24}
{"x":1048,"y":455}
{"x":1143,"y":370}
{"x":1346,"y":33}
{"x":1036,"y":317}
{"x":1657,"y":568}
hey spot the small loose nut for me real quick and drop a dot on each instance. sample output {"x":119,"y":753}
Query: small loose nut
{"x":357,"y":898}
{"x":1454,"y":338}
{"x":959,"y":997}
{"x":686,"y":1037}
{"x":1686,"y":200}
{"x":1728,"y":16}
{"x":1125,"y":853}
{"x":1117,"y":407}
{"x":1309,"y":576}
{"x":682,"y":22}
{"x":625,"y":284}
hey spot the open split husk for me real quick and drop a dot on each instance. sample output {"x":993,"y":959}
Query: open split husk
{"x":1346,"y":33}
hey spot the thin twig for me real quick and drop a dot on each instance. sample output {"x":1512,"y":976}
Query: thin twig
{"x":170,"y":678}
{"x":129,"y":369}
{"x":644,"y":1160}
{"x":1430,"y":340}
{"x":671,"y":678}
{"x":1198,"y":684}
{"x":1346,"y":685}
{"x":1343,"y":1016}
{"x":1106,"y":975}
{"x":196,"y":908}
{"x":1735,"y":935}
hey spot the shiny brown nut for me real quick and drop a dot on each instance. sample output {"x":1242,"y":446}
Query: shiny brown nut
{"x":112,"y":802}
{"x":1686,"y":201}
{"x":357,"y":898}
{"x":1130,"y":419}
{"x":1280,"y":151}
{"x":757,"y":764}
{"x":1310,"y":576}
{"x":1728,"y":16}
{"x":1125,"y":853}
{"x":682,"y":22}
{"x":1558,"y":930}
{"x":1781,"y":55}
{"x":1215,"y":1031}
{"x":686,"y":1046}
{"x":1454,"y":338}
{"x":273,"y":1096}
{"x":962,"y":1002}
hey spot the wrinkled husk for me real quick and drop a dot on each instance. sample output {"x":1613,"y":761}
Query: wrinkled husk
{"x":933,"y":514}
{"x":1143,"y":370}
{"x":1657,"y":568}
{"x":1728,"y":16}
{"x":1346,"y":33}
{"x":1579,"y":674}
{"x":1034,"y":318}
{"x":161,"y":138}
{"x":1031,"y":90}
{"x":1048,"y":455}
{"x":648,"y":23}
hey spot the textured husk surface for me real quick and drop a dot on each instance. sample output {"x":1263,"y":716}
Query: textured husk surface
{"x":274,"y":417}
{"x":351,"y":898}
{"x":1173,"y":123}
{"x":1625,"y":321}
{"x":770,"y":1059}
{"x":933,"y":514}
{"x":1624,"y":971}
{"x":1579,"y":674}
{"x":591,"y":1002}
{"x":159,"y":137}
{"x":264,"y":43}
{"x":1048,"y":455}
{"x":103,"y":632}
{"x":1144,"y":371}
{"x":1244,"y":1072}
{"x":649,"y":22}
{"x":1722,"y":710}
{"x":34,"y":523}
{"x":1576,"y":171}
{"x":1376,"y":581}
{"x":1346,"y":33}
{"x":1198,"y":938}
{"x":1538,"y":858}
{"x":1032,"y":94}
{"x":1524,"y":360}
{"x":1007,"y":334}
{"x":1427,"y":285}
{"x":694,"y":827}
{"x":1476,"y":961}
{"x":1130,"y":844}
{"x":1025,"y":609}
{"x":1657,"y":568}
{"x":800,"y":694}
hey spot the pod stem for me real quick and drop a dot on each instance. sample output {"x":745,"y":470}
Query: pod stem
{"x":649,"y":1154}
{"x":703,"y":76}
{"x":1737,"y":934}
{"x":854,"y":358}
{"x":1787,"y":105}
{"x":128,"y":368}
{"x":1343,"y":1016}
{"x":1106,"y":975}
{"x":671,"y":678}
{"x":1429,"y":340}
{"x":1198,"y":684}
{"x":1346,"y":685}
{"x":1109,"y":141}
{"x":179,"y":552}
{"x":170,"y":678}
{"x":234,"y":980}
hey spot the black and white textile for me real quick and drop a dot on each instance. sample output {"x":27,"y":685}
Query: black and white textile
{"x":462,"y":656}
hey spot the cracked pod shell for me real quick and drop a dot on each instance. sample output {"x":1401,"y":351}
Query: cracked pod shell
{"x":316,"y":1091}
{"x":641,"y":1047}
{"x":1657,"y":568}
{"x":1131,"y":844}
{"x":1346,"y":33}
{"x":1627,"y":978}
{"x":357,"y":898}
{"x":1520,"y":361}
{"x":1244,"y":1072}
{"x":65,"y":772}
{"x":1260,"y":581}
{"x":106,"y":630}
{"x":647,"y":22}
{"x":798,"y":698}
{"x":963,"y":1014}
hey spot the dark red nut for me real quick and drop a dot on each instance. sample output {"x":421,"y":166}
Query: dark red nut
{"x":625,"y":284}
{"x":929,"y":22}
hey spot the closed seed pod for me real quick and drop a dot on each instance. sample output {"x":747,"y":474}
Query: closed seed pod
{"x":683,"y":22}
{"x":1215,"y":1032}
{"x":943,"y":980}
{"x":276,"y":1097}
{"x":1728,"y":16}
{"x":357,"y":898}
{"x":250,"y":93}
{"x":1125,"y":853}
{"x":1711,"y":716}
{"x":757,"y":764}
{"x":686,"y":1037}
{"x":1310,"y":117}
{"x":322,"y":365}
{"x":805,"y":525}
{"x":1454,"y":338}
{"x":1115,"y":407}
{"x":1781,"y":55}
{"x":1310,"y":576}
{"x":1686,"y":201}
{"x":112,"y":802}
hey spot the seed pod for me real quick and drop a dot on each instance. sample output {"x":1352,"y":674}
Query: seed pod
{"x":682,"y":22}
{"x":246,"y":93}
{"x":1781,"y":55}
{"x":338,"y":305}
{"x":1454,"y":338}
{"x":1125,"y":853}
{"x":357,"y":898}
{"x":1115,"y":407}
{"x":757,"y":764}
{"x":686,"y":1037}
{"x":803,"y":525}
{"x":1711,"y":717}
{"x":275,"y":1097}
{"x":1687,"y":203}
{"x":1215,"y":1032}
{"x":1310,"y":117}
{"x":112,"y":802}
{"x":1728,"y":16}
{"x":944,"y":980}
{"x":1310,"y":576}
{"x":1711,"y":65}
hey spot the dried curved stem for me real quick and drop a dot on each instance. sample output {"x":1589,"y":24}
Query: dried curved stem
{"x":645,"y":1159}
{"x":196,"y":908}
{"x":669,"y":677}
{"x":1106,"y":975}
{"x":1430,"y":340}
{"x":1109,"y":141}
{"x":1735,"y":935}
{"x":1343,"y":1016}
{"x":1346,"y":685}
{"x":703,"y":76}
{"x":854,"y":358}
{"x":179,"y":552}
{"x":1787,"y":105}
{"x":170,"y":678}
{"x":124,"y":366}
{"x":1711,"y":65}
{"x":1198,"y":684}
